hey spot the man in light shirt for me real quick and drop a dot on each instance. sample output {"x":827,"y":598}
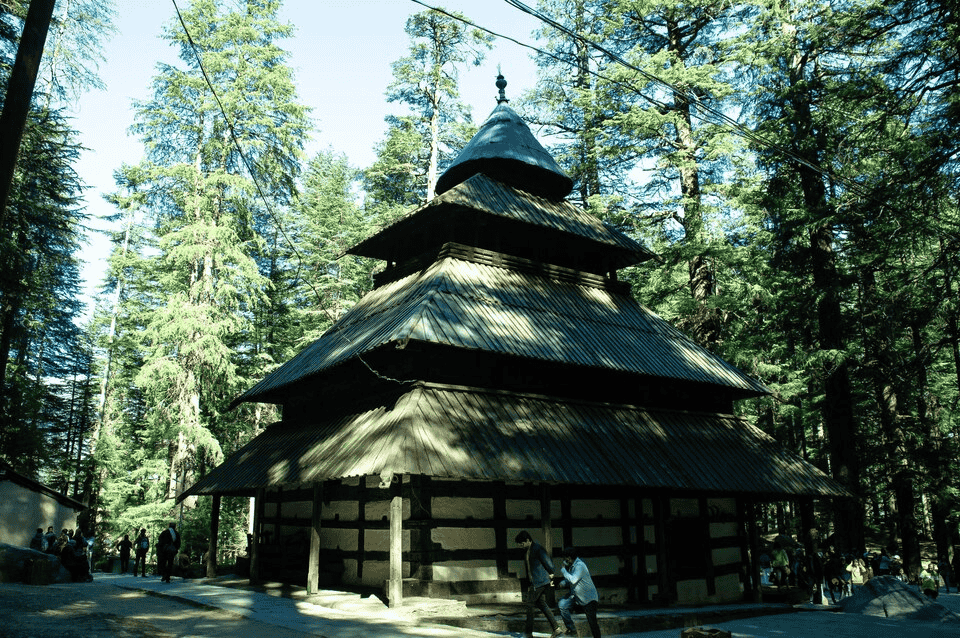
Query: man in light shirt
{"x":582,"y":592}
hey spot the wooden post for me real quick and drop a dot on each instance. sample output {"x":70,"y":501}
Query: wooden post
{"x":750,"y":520}
{"x":665,"y":582}
{"x":255,"y":545}
{"x":546,"y":524}
{"x":395,"y":584}
{"x":214,"y":533}
{"x":313,"y":568}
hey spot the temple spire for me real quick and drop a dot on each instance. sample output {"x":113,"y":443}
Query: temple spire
{"x":506,"y":150}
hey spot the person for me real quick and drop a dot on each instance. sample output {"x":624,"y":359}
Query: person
{"x":946,"y":573}
{"x":956,"y":567}
{"x":883,"y":567}
{"x":582,"y":592}
{"x":168,"y":544}
{"x":779,"y":565}
{"x":858,"y":573}
{"x":539,"y":573}
{"x":930,"y":581}
{"x":125,"y":546}
{"x":88,"y":540}
{"x":38,"y":542}
{"x":51,"y":539}
{"x":141,"y":547}
{"x":73,"y":557}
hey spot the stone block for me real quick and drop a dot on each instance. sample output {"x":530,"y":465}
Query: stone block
{"x":704,"y":632}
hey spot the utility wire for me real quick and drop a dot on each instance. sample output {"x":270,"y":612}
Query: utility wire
{"x":263,"y":197}
{"x":724,"y":119}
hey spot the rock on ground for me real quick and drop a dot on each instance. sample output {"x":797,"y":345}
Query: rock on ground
{"x":889,"y":597}
{"x":25,"y":565}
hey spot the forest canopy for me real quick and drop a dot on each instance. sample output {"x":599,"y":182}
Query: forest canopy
{"x":793,"y":163}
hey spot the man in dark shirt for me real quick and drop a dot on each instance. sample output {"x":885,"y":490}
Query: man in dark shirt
{"x":539,"y":571}
{"x":168,"y":544}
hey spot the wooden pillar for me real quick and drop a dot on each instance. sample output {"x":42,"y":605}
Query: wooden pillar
{"x":750,"y":521}
{"x":546,"y":524}
{"x":214,"y":534}
{"x":313,"y":567}
{"x":255,"y":545}
{"x":501,"y":543}
{"x":665,"y":584}
{"x":395,"y":583}
{"x":277,"y":538}
{"x":643,"y":585}
{"x":629,"y":548}
{"x":703,"y":519}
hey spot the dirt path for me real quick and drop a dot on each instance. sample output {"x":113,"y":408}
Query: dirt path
{"x":102,"y":610}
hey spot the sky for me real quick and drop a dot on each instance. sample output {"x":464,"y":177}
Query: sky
{"x":341,"y":53}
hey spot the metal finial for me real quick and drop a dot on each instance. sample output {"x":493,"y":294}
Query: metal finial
{"x":501,"y":84}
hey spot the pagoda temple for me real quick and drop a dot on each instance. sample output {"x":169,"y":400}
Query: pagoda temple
{"x":499,"y":378}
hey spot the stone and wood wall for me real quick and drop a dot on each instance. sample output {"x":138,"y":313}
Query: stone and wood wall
{"x":455,"y":538}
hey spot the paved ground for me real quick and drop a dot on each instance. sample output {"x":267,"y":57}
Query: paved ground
{"x":128,"y":607}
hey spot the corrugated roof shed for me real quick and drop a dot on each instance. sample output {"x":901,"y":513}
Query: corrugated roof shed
{"x":469,"y":305}
{"x":469,"y":433}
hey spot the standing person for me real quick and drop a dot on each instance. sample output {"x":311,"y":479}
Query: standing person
{"x":779,"y":565}
{"x":38,"y":542}
{"x":582,"y":592}
{"x":539,"y":573}
{"x":858,"y":574}
{"x":930,"y":581}
{"x":946,"y":573}
{"x":956,"y":567}
{"x":51,"y":539}
{"x":168,"y":544}
{"x":141,"y":547}
{"x":125,"y":546}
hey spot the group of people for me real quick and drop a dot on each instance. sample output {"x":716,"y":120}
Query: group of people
{"x":72,"y":547}
{"x":75,"y":551}
{"x":841,"y":574}
{"x":168,"y":545}
{"x":542,"y":578}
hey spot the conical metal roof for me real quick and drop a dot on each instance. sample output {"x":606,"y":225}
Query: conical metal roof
{"x":505,"y":149}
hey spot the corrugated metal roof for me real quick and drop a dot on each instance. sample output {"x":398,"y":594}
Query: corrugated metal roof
{"x":505,"y":148}
{"x":469,"y":305}
{"x":492,"y":197}
{"x":469,"y":433}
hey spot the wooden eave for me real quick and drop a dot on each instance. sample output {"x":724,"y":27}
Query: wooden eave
{"x":474,"y":306}
{"x":475,"y":434}
{"x":484,"y":209}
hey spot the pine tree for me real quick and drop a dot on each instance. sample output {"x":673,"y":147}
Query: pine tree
{"x":211,"y":270}
{"x":427,"y":81}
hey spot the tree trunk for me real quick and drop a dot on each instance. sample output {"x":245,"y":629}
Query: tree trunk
{"x":705,"y":328}
{"x":838,"y":404}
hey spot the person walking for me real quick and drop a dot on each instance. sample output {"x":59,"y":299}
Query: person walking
{"x":125,"y":546}
{"x":141,"y":547}
{"x":930,"y":581}
{"x":539,"y":575}
{"x":779,"y":565}
{"x":582,"y":592}
{"x":168,"y":544}
{"x":946,"y":573}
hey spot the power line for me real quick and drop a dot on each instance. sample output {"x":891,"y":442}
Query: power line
{"x":724,"y":119}
{"x":263,"y":197}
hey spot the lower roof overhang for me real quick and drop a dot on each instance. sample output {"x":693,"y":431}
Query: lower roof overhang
{"x":490,"y":435}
